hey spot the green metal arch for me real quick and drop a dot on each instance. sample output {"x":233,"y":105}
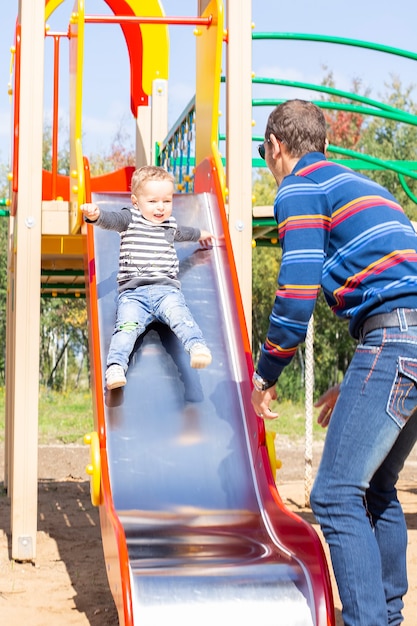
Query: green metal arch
{"x":378,"y":109}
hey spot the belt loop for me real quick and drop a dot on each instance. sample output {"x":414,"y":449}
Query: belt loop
{"x":402,"y":320}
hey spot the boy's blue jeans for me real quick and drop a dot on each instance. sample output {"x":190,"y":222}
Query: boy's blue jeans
{"x":371,"y":432}
{"x":137,"y":308}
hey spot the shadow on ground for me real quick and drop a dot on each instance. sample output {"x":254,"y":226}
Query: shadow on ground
{"x":66,"y":515}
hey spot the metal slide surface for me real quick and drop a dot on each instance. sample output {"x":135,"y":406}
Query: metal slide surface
{"x":181,"y":457}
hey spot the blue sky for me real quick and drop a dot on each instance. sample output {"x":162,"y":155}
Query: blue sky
{"x":106,"y":105}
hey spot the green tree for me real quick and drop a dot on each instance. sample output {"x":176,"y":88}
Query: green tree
{"x":264,"y":188}
{"x":63,"y":343}
{"x":121,"y":154}
{"x":391,"y":140}
{"x":333,"y":347}
{"x":63,"y":152}
{"x":265,"y":266}
{"x":344,"y":127}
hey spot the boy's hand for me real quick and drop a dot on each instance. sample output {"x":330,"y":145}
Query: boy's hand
{"x":91,"y":211}
{"x":206,"y":239}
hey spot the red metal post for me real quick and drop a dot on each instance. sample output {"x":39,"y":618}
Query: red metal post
{"x":122,"y":19}
{"x":55,"y":108}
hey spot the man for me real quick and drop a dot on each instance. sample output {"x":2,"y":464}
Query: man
{"x":345,"y":234}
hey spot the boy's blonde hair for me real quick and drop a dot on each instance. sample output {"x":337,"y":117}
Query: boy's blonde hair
{"x":147,"y":173}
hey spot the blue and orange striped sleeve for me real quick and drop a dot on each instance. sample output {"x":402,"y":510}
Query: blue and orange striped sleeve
{"x":304,"y":223}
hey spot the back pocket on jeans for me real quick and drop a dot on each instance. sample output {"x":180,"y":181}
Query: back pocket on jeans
{"x":403,"y":397}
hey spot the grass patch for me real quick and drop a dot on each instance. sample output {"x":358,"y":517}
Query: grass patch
{"x":291,"y":421}
{"x":64,"y":417}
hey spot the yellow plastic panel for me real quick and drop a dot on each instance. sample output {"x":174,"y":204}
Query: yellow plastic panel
{"x":276,"y":463}
{"x":155,"y":43}
{"x":209,"y":66}
{"x":68,"y":245}
{"x":50,"y":7}
{"x":93,"y":469}
{"x":77,"y":190}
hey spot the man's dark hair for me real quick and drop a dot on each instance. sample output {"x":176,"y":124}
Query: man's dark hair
{"x":300,"y":125}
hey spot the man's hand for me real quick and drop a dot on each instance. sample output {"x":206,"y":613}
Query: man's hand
{"x":91,"y":211}
{"x":261,"y":401}
{"x":327,"y":401}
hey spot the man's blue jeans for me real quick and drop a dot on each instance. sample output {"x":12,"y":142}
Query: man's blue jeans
{"x":137,"y":308}
{"x":371,"y":432}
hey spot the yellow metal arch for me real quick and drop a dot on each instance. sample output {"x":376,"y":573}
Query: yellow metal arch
{"x":50,"y":7}
{"x":155,"y":42}
{"x":155,"y":39}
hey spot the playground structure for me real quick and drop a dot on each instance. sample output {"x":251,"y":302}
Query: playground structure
{"x":191,"y":519}
{"x":199,"y":538}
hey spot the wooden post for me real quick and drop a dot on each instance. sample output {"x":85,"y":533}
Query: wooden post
{"x":239,"y":144}
{"x":143,"y":137}
{"x":24,"y":383}
{"x":159,"y":116}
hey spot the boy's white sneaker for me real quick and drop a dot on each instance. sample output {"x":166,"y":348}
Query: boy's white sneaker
{"x":200,"y":356}
{"x":115,"y":377}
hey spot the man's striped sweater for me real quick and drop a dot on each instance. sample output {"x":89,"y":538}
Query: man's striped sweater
{"x":147,"y":252}
{"x":344,"y":233}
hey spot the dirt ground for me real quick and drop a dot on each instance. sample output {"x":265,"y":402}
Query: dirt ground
{"x":67,"y":583}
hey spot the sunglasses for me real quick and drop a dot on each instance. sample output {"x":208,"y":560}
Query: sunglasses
{"x":261,"y":147}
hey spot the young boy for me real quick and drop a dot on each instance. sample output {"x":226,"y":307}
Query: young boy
{"x":149,"y":289}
